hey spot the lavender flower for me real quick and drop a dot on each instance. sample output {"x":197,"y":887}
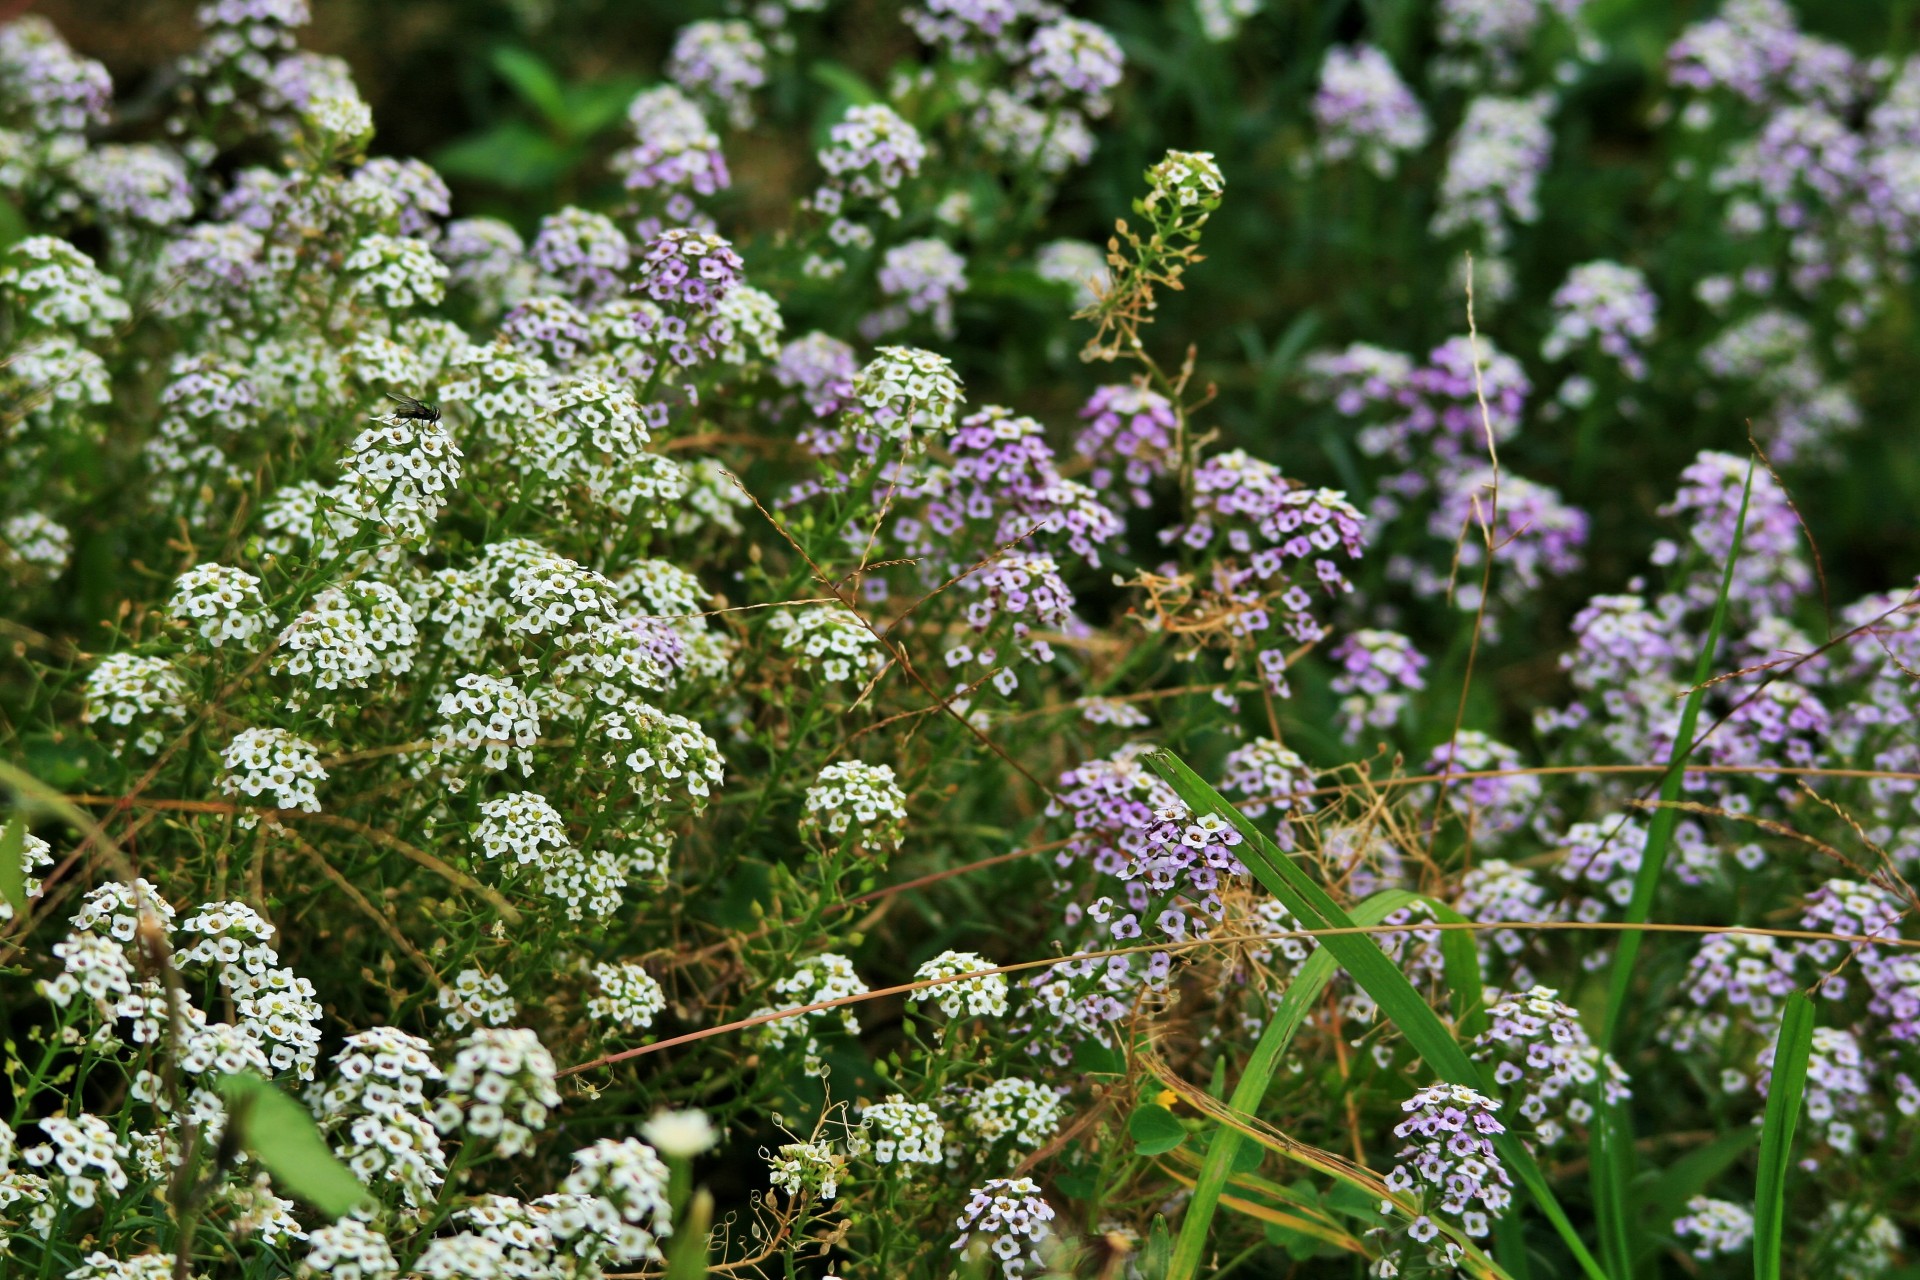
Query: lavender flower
{"x":675,"y":149}
{"x":1492,"y":807}
{"x":1131,"y":436}
{"x":1363,"y":108}
{"x":583,"y":253}
{"x":1714,"y":1228}
{"x":1541,"y":1052}
{"x":1449,"y":1162}
{"x":1011,"y":1219}
{"x":868,"y":155}
{"x":1377,"y":671}
{"x":723,"y":62}
{"x":690,"y":269}
{"x":1494,"y":167}
{"x":921,"y":277}
{"x":1069,"y":59}
{"x":1606,"y":304}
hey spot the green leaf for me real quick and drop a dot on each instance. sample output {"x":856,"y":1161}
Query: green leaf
{"x":1791,"y":1049}
{"x":13,"y":864}
{"x":278,"y":1132}
{"x":1610,"y":1147}
{"x":536,"y":84}
{"x":592,"y":107}
{"x":844,"y":81}
{"x":1154,"y":1129}
{"x":513,"y":154}
{"x":687,"y":1258}
{"x":1153,"y":1261}
{"x":1377,"y":975}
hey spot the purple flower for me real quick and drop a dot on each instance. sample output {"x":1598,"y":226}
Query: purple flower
{"x":688,"y":268}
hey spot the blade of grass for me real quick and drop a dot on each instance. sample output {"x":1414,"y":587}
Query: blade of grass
{"x":1660,"y":829}
{"x":1610,"y":1144}
{"x":1791,"y":1050}
{"x":1362,"y":957}
{"x":1303,"y":993}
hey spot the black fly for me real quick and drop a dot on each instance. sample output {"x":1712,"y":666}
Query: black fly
{"x":411,"y":408}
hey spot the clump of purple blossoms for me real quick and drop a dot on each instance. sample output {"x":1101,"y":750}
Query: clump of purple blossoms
{"x":1772,"y":572}
{"x":1754,"y":50}
{"x":1608,"y":305}
{"x":1184,"y":854}
{"x":582,"y":253}
{"x":920,"y":278}
{"x":1131,"y":438}
{"x":1494,"y":889}
{"x":691,"y":269}
{"x":1070,"y":60}
{"x":1277,"y":525}
{"x":1534,"y":532}
{"x":1377,"y":670}
{"x":821,"y":369}
{"x":1363,"y":108}
{"x":1264,"y":775}
{"x":1450,"y":1164}
{"x":970,"y":29}
{"x":868,"y":155}
{"x":1492,"y":807}
{"x":675,"y":150}
{"x":1011,"y":1218}
{"x":1543,"y":1055}
{"x":1004,"y":471}
{"x":1493,"y":169}
{"x":48,"y":89}
{"x":723,"y":61}
{"x":1603,"y":858}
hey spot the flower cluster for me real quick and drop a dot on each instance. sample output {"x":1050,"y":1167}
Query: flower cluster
{"x":1363,"y":108}
{"x":856,"y":804}
{"x":1450,"y":1163}
{"x":1541,"y":1053}
{"x":1011,"y":1219}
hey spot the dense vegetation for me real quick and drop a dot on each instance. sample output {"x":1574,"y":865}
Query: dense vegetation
{"x":974,"y":640}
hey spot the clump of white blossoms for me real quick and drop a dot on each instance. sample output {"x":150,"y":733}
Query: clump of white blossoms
{"x":838,"y":642}
{"x":858,"y":798}
{"x":1012,"y":1219}
{"x":629,"y":997}
{"x":347,"y":1249}
{"x":668,"y":757}
{"x":680,"y":1134}
{"x":806,"y":1169}
{"x":1024,"y":1112}
{"x":400,"y":475}
{"x":485,"y":716}
{"x":477,"y":999}
{"x":274,"y":764}
{"x":632,"y":1178}
{"x":138,"y":694}
{"x":34,"y":546}
{"x":903,"y":390}
{"x":1713,"y":1227}
{"x":375,"y":1112}
{"x":396,"y":272}
{"x":499,"y":1089}
{"x":350,"y":635}
{"x":35,"y":853}
{"x":53,"y":285}
{"x":981,"y":997}
{"x":818,"y":979}
{"x":902,"y":1132}
{"x":86,"y":1156}
{"x":223,"y":605}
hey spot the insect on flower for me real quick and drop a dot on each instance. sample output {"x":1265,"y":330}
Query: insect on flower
{"x":411,"y":408}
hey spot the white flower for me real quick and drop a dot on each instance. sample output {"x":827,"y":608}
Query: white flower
{"x":680,"y":1133}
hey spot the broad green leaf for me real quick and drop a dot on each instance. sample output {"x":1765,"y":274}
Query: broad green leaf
{"x":536,"y":84}
{"x":513,"y":154}
{"x":1154,"y":1129}
{"x":592,"y":107}
{"x":278,"y":1132}
{"x":1791,"y":1050}
{"x":13,"y":864}
{"x":844,"y":81}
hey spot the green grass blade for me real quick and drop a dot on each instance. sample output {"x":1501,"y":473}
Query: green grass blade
{"x":1660,"y":829}
{"x":1610,"y":1143}
{"x":1362,"y":957}
{"x":1790,"y":1053}
{"x":1303,"y":993}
